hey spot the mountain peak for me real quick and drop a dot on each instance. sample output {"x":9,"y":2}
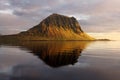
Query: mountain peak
{"x":55,"y":14}
{"x":59,"y":27}
{"x":57,"y":20}
{"x":59,"y":15}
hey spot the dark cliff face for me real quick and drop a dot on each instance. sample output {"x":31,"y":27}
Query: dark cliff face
{"x":58,"y":27}
{"x":59,"y":22}
{"x":62,"y":21}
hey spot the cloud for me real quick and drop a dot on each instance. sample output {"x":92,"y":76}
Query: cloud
{"x":38,"y":7}
{"x":105,"y":18}
{"x":93,"y":15}
{"x":6,"y":11}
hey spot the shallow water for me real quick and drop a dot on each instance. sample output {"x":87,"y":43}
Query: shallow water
{"x":68,"y":60}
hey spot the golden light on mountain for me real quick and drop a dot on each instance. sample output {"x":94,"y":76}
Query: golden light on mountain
{"x":54,"y":27}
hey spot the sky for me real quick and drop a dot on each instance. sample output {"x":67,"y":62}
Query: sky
{"x":94,"y":16}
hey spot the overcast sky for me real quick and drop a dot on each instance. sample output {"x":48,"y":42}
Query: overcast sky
{"x":93,"y":15}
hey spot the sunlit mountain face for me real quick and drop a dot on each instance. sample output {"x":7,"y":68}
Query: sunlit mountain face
{"x":93,"y":15}
{"x":22,"y":59}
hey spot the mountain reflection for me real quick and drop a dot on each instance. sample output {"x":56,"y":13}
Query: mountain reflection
{"x":53,"y":53}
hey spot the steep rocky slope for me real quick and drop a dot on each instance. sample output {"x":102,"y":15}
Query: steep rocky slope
{"x":56,"y":27}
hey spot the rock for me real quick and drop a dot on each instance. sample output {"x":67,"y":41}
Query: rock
{"x":57,"y":27}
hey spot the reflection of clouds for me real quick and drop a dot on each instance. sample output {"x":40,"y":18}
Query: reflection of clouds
{"x":54,"y":54}
{"x":80,"y":65}
{"x":11,"y":56}
{"x":108,"y":57}
{"x":6,"y":69}
{"x":87,"y":67}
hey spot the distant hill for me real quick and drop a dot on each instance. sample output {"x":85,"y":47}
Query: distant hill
{"x":55,"y":27}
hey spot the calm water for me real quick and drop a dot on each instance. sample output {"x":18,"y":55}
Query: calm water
{"x":72,"y":60}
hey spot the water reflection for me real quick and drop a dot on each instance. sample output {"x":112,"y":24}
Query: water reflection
{"x":53,"y":53}
{"x":27,"y":60}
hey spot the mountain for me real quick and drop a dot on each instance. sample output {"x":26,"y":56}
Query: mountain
{"x":56,"y":27}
